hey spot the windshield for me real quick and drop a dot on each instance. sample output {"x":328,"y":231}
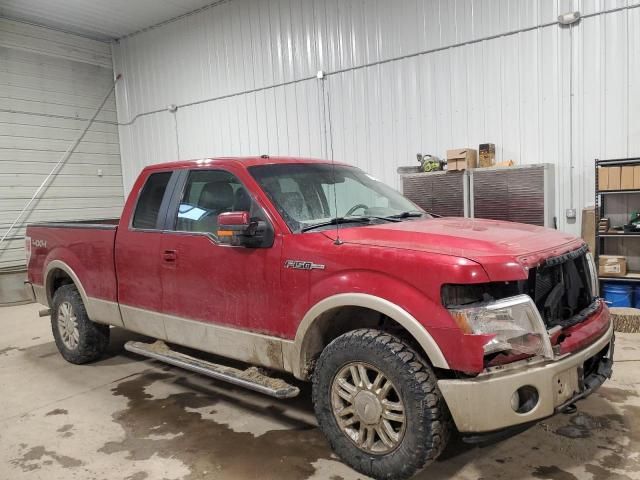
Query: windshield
{"x":309,"y":194}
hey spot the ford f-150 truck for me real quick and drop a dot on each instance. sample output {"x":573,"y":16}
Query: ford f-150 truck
{"x":408,"y":325}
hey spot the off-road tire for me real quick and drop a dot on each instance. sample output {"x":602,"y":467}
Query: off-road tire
{"x":93,"y":338}
{"x":428,"y":422}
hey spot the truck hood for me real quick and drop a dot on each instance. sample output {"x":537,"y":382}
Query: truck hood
{"x":488,"y":242}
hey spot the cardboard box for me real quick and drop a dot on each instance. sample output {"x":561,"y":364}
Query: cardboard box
{"x":614,"y":178}
{"x":589,"y":227}
{"x":626,"y":178}
{"x":507,"y":163}
{"x":487,"y":155}
{"x":612,"y":266}
{"x":461,"y":159}
{"x":636,"y":177}
{"x":603,"y":178}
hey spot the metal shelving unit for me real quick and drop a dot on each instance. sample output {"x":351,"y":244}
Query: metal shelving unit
{"x":601,"y":196}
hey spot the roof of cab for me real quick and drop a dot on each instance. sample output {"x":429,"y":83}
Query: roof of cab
{"x":244,"y":161}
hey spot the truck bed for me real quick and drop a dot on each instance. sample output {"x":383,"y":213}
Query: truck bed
{"x":85,"y":247}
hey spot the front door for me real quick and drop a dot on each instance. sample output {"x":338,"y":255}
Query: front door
{"x":206,"y":283}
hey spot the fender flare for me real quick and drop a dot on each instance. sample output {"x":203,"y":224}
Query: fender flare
{"x":60,"y":265}
{"x":372,"y":302}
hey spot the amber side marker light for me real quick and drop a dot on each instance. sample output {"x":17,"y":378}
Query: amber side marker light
{"x":461,"y":320}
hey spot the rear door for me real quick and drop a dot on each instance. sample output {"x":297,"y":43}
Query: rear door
{"x":138,"y":255}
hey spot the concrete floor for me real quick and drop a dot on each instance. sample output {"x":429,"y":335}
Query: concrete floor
{"x":129,"y":418}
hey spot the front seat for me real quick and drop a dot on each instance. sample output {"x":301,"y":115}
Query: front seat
{"x":242,"y":201}
{"x":216,"y":198}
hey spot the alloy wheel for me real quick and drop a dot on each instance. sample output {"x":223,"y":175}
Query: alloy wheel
{"x":368,"y":408}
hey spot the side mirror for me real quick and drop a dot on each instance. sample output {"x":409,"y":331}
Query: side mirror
{"x":237,"y":229}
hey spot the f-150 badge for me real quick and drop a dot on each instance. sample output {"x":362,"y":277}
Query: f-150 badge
{"x":303,"y":265}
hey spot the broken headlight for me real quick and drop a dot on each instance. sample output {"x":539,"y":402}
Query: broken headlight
{"x":514,"y":323}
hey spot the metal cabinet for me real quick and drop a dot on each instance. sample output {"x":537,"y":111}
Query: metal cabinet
{"x":524,"y":194}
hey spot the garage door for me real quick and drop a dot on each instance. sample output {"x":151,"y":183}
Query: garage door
{"x":50,"y":83}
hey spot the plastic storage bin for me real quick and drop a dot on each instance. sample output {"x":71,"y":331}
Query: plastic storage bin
{"x":619,"y":294}
{"x":636,"y":296}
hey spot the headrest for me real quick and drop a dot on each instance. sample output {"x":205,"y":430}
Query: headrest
{"x":216,"y":196}
{"x":242,"y":201}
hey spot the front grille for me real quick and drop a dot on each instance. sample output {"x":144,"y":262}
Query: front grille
{"x":544,"y":282}
{"x":561,"y":288}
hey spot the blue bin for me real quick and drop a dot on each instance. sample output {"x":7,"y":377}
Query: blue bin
{"x":618,"y":294}
{"x":636,"y":296}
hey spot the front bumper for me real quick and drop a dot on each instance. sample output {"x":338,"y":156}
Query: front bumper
{"x":483,"y":403}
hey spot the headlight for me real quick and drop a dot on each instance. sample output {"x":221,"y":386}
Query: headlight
{"x":593,"y":273}
{"x":514,"y":322}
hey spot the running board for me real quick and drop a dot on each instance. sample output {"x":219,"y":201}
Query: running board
{"x":251,"y":378}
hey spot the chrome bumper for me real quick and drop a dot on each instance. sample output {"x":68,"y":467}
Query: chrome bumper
{"x":483,"y":403}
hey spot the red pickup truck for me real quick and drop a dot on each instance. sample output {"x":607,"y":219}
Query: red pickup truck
{"x":408,"y":325}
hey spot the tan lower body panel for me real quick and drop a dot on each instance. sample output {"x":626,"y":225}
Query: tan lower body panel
{"x":143,"y":321}
{"x":104,"y":311}
{"x":483,"y":403}
{"x":233,"y":343}
{"x":99,"y":311}
{"x":228,"y":342}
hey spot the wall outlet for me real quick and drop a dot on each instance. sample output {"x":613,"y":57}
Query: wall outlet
{"x":571,"y":213}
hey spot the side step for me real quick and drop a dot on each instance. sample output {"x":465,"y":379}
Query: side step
{"x":250,"y":378}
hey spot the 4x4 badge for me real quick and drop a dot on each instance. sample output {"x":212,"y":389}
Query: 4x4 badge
{"x":303,"y":265}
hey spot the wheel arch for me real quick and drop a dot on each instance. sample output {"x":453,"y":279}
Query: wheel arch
{"x":56,"y":271}
{"x":363,"y":310}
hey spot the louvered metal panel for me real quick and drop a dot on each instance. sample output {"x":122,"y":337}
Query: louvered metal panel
{"x":517,"y":194}
{"x":442,"y":193}
{"x":490,"y":195}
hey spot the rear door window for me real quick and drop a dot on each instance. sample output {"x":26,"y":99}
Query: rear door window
{"x":150,"y":200}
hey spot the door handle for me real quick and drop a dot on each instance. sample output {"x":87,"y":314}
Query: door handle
{"x":169,"y":256}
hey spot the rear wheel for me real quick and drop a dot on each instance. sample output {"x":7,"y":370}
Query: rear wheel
{"x":378,"y":404}
{"x":79,"y":340}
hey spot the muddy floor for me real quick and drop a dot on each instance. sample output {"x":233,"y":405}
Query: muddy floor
{"x":129,"y":418}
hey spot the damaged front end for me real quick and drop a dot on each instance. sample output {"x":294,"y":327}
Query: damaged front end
{"x":528,"y":317}
{"x":548,"y":342}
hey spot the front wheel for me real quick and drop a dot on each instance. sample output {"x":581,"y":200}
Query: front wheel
{"x":379,"y":406}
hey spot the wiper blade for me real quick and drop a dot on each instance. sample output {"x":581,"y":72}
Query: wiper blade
{"x":386,"y":219}
{"x":336,"y":221}
{"x":408,"y":214}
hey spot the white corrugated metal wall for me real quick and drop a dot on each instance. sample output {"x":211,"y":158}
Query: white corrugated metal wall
{"x":513,"y":90}
{"x":49,"y":83}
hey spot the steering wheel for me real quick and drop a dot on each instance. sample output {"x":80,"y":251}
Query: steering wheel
{"x":356,"y":207}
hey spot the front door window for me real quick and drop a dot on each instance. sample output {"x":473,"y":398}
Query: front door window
{"x":207,"y":194}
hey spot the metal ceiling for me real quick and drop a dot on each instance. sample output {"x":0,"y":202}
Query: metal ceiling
{"x":98,"y":19}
